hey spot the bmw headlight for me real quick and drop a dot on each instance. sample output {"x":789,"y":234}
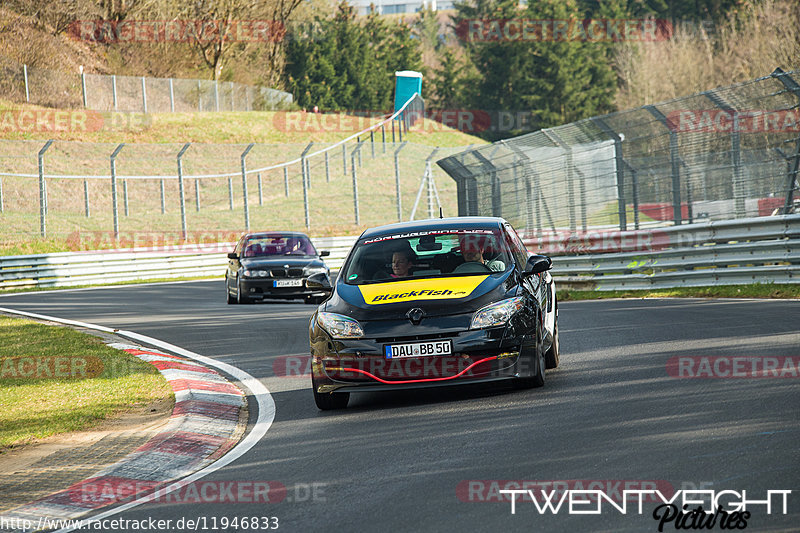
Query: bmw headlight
{"x":340,"y":326}
{"x":496,"y":314}
{"x":310,"y":271}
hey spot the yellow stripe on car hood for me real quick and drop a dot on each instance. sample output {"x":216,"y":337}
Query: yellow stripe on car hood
{"x":422,"y":289}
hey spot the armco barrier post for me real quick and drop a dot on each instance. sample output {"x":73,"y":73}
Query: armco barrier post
{"x":286,"y":181}
{"x":171,"y":96}
{"x":83,"y":86}
{"x":397,"y":181}
{"x":260,"y":191}
{"x":230,"y":194}
{"x":344,"y":160}
{"x":353,"y":155}
{"x":383,"y":137}
{"x":197,"y":194}
{"x":114,"y":90}
{"x":372,"y":142}
{"x":163,"y":198}
{"x":144,"y":96}
{"x":86,"y":197}
{"x":115,"y":214}
{"x":305,"y":184}
{"x":244,"y":186}
{"x":43,"y":191}
{"x":184,"y":231}
{"x":125,"y":196}
{"x":327,"y":168}
{"x":27,"y":93}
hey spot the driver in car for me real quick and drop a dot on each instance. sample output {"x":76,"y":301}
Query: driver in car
{"x":472,"y":250}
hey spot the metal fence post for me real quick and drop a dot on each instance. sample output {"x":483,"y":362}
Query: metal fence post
{"x":114,"y":91}
{"x":372,"y":142}
{"x":739,"y":193}
{"x":677,"y":211}
{"x":260,"y":191}
{"x":305,"y":184}
{"x":197,"y":194}
{"x":83,"y":86}
{"x":793,"y":161}
{"x":230,"y":193}
{"x":353,"y":155}
{"x":27,"y":92}
{"x":144,"y":96}
{"x":400,"y":127}
{"x":383,"y":137}
{"x":171,"y":96}
{"x":286,"y":181}
{"x":115,"y":214}
{"x":619,"y":167}
{"x":397,"y":181}
{"x":327,"y":168}
{"x":125,"y":196}
{"x":184,"y":231}
{"x":392,"y":122}
{"x":86,"y":198}
{"x":42,"y":191}
{"x":244,"y":186}
{"x":344,"y":160}
{"x":163,"y":198}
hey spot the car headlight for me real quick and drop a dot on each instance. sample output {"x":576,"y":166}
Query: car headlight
{"x":496,"y":314}
{"x":255,"y":273}
{"x":340,"y":326}
{"x":310,"y":271}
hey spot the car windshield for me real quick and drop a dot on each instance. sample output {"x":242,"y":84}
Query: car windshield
{"x":422,"y":254}
{"x":281,"y":245}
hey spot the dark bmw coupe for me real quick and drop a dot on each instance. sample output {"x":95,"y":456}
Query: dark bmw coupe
{"x":432,"y":303}
{"x":275,"y":265}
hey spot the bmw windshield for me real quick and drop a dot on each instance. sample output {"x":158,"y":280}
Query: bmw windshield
{"x":426,"y":254}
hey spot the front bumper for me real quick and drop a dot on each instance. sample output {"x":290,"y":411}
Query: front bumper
{"x":477,"y":356}
{"x":265,"y":289}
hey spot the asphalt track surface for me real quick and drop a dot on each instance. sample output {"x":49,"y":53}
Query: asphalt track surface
{"x":421,"y":460}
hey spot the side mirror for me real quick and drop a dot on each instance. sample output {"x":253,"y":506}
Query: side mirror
{"x":233,"y":255}
{"x":537,"y":264}
{"x":324,"y":253}
{"x":319,"y":282}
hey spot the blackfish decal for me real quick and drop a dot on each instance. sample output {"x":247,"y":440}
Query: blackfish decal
{"x":423,"y":289}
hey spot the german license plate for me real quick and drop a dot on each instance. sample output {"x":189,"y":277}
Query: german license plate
{"x":418,"y":349}
{"x":287,"y":283}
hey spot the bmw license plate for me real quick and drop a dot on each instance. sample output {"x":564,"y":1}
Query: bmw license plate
{"x":287,"y":283}
{"x":418,"y":349}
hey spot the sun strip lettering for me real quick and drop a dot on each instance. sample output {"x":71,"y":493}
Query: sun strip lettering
{"x":426,"y":289}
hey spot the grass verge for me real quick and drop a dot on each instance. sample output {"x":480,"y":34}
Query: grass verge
{"x":756,"y":290}
{"x":56,"y":380}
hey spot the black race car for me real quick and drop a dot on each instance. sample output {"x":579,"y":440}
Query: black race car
{"x":275,"y":265}
{"x":434,"y":302}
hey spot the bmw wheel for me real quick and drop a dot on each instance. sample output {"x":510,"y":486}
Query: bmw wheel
{"x":228,"y":297}
{"x":552,"y":355}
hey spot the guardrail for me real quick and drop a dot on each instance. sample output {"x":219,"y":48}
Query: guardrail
{"x":765,"y":249}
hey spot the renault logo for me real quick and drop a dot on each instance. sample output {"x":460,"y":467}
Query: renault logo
{"x":415,"y":315}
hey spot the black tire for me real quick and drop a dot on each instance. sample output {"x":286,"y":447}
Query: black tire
{"x":240,"y":297}
{"x":537,"y":379}
{"x":230,"y":299}
{"x":551,"y":357}
{"x":327,"y":401}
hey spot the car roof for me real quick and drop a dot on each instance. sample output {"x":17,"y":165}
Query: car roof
{"x":276,"y":233}
{"x":434,"y":224}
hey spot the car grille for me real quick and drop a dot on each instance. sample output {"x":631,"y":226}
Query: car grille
{"x":412,"y":338}
{"x":283,"y":273}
